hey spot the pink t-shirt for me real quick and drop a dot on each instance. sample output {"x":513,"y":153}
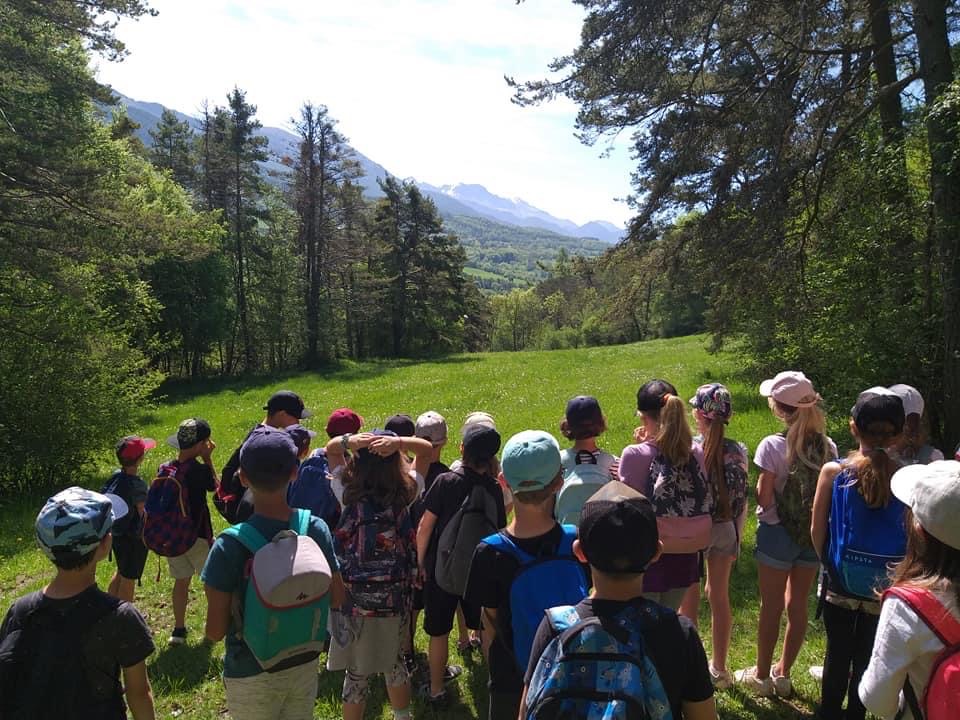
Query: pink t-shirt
{"x":771,"y":456}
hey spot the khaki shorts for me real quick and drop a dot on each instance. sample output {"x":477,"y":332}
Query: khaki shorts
{"x":285,"y":695}
{"x":191,"y":562}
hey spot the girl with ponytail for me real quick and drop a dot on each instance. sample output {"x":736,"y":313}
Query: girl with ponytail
{"x":854,"y":511}
{"x":789,"y":464}
{"x":726,"y":469}
{"x":667,"y":467}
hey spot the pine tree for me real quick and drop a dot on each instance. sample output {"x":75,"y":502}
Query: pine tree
{"x":172,"y":148}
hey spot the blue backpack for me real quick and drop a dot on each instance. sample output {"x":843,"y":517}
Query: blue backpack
{"x":589,"y":671}
{"x":538,"y":584}
{"x":311,"y":490}
{"x":862,"y":541}
{"x":580,"y":482}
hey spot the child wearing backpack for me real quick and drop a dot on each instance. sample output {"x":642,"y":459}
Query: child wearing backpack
{"x":64,"y":649}
{"x":376,"y":548}
{"x":667,"y":467}
{"x":725,"y":461}
{"x":311,"y":490}
{"x":460,"y":509}
{"x":617,"y":653}
{"x":528,"y":567}
{"x":193,"y":472}
{"x":787,"y":563}
{"x":272,"y":643}
{"x":913,"y":447}
{"x":342,"y":421}
{"x":128,"y":547}
{"x":918,"y":634}
{"x":585,"y":466}
{"x":857,"y":529}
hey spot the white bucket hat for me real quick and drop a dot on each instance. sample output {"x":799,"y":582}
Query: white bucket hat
{"x":933,"y":493}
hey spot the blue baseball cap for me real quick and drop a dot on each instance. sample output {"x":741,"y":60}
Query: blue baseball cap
{"x":75,"y":520}
{"x":530,"y":460}
{"x":301,"y":435}
{"x":268,"y":451}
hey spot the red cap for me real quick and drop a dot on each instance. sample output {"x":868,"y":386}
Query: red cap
{"x":343,"y":421}
{"x":133,"y":447}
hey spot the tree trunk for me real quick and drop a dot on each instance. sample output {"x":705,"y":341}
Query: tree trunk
{"x":936,"y":68}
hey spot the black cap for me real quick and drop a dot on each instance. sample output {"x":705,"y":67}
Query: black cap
{"x":401,"y":425}
{"x":618,"y":529}
{"x":583,"y":409}
{"x":301,"y":435}
{"x":268,"y":451}
{"x":650,"y":395}
{"x":364,"y":455}
{"x":289,"y":402}
{"x":878,"y":405}
{"x":480,"y":443}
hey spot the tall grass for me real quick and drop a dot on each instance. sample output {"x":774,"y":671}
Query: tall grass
{"x":522,"y":390}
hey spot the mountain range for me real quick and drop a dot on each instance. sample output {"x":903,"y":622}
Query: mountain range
{"x":463,"y":199}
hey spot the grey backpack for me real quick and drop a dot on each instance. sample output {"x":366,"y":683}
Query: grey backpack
{"x":475,"y":519}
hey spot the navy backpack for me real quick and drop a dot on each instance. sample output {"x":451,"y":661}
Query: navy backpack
{"x":312,"y":491}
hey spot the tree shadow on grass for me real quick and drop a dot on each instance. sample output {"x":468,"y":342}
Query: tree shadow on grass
{"x":181,"y":667}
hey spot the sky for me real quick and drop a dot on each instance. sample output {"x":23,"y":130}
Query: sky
{"x":416,"y":85}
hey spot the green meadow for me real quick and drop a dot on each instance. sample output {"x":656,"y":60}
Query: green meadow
{"x":522,"y":390}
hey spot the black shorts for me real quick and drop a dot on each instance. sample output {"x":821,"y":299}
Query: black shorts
{"x":131,"y":555}
{"x":418,"y":598}
{"x":440,"y":607}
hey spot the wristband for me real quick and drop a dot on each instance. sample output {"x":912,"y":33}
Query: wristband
{"x":345,"y":442}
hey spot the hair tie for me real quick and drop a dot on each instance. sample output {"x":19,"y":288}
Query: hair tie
{"x":664,"y":398}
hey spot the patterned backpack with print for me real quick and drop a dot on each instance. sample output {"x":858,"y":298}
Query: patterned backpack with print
{"x":682,"y":499}
{"x":795,"y":500}
{"x":168,"y":527}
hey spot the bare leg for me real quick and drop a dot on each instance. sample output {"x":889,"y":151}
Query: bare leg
{"x":181,"y":589}
{"x":126,"y":588}
{"x":798,"y":592}
{"x":718,"y":595}
{"x":114,"y":587}
{"x":772,"y":583}
{"x":690,"y":606}
{"x":438,"y":653}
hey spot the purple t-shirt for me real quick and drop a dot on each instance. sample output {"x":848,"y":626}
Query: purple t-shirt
{"x":671,"y":571}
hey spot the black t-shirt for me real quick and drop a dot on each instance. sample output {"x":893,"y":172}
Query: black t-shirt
{"x":119,"y":639}
{"x":200,"y":482}
{"x":133,"y":491}
{"x":488,"y":585}
{"x":673,"y":647}
{"x":445,"y":497}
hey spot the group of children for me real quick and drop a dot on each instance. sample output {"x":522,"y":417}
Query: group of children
{"x":339,"y":548}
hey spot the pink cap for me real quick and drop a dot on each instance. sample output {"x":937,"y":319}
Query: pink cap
{"x":791,"y":387}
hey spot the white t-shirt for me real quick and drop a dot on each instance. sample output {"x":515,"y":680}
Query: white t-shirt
{"x":904,"y":648}
{"x":771,"y":456}
{"x":568,"y":459}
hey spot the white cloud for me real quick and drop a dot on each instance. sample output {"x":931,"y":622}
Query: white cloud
{"x":417,"y":85}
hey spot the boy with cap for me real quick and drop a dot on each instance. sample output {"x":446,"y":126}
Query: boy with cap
{"x":531,"y":467}
{"x":195,"y":469}
{"x":128,"y":547}
{"x":445,"y":497}
{"x":284,"y":408}
{"x":618,"y":537}
{"x":63,"y":649}
{"x":268,"y":462}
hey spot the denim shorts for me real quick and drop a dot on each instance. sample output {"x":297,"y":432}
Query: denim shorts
{"x":777,"y":549}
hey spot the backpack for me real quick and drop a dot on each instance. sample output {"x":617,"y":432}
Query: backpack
{"x":119,"y":485}
{"x":168,"y":527}
{"x":232,"y":500}
{"x":43,"y":671}
{"x":682,"y":499}
{"x":795,"y":500}
{"x":376,"y":549}
{"x":538,"y":584}
{"x":596,"y":669}
{"x":284,"y":611}
{"x":943,"y":688}
{"x":312,"y":491}
{"x":735,"y":476}
{"x":861,"y":541}
{"x":475,"y":519}
{"x":579,"y":483}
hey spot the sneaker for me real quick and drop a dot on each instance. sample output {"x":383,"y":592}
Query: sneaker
{"x":782,"y":685}
{"x":438,"y":702}
{"x":452,"y":673}
{"x":816,"y":672}
{"x":409,"y":661}
{"x":748,"y":678}
{"x":178,"y":636}
{"x":722,"y":679}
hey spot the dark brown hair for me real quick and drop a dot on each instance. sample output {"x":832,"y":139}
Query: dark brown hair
{"x":537,"y":497}
{"x":385,"y":481}
{"x":713,"y":461}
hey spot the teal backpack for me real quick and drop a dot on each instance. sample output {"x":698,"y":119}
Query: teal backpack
{"x":283,"y":617}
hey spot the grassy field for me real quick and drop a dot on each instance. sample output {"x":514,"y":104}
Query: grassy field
{"x":522,"y":390}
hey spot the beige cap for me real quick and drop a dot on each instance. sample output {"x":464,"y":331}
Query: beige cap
{"x":431,"y":426}
{"x":933,"y":493}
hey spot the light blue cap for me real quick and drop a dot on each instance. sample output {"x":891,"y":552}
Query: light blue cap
{"x":75,"y":521}
{"x":530,"y":460}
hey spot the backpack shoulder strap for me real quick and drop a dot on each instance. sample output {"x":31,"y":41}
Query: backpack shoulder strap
{"x":502,"y":542}
{"x":300,"y":521}
{"x":247,"y":535}
{"x":562,"y":618}
{"x":566,"y":541}
{"x":929,"y":609}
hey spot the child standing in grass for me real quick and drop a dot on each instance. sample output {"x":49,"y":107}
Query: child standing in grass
{"x":787,"y":564}
{"x":913,"y":447}
{"x":583,"y":423}
{"x":376,"y":548}
{"x":725,"y":460}
{"x":128,"y":547}
{"x":342,"y":421}
{"x":922,"y":608}
{"x":311,"y":490}
{"x":64,"y":649}
{"x":268,"y":461}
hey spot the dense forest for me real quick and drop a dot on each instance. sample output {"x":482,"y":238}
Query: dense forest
{"x":797,"y":193}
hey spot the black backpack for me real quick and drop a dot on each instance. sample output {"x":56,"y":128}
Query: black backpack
{"x":232,"y":500}
{"x":43,"y":669}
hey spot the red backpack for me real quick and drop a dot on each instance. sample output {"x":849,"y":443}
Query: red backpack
{"x":168,"y":527}
{"x":943,"y":688}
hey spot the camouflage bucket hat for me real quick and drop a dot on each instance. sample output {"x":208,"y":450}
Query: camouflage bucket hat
{"x":75,"y":520}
